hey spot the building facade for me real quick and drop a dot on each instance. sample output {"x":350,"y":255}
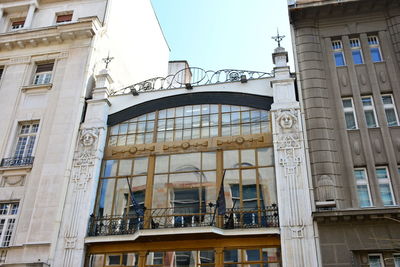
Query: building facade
{"x":347,"y":63}
{"x":49,"y":52}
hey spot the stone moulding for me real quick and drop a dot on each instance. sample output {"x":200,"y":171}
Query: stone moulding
{"x":85,"y":28}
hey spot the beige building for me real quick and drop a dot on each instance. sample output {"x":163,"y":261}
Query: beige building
{"x":49,"y":52}
{"x":347,"y":64}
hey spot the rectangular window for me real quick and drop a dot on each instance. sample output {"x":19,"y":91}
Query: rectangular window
{"x":396,"y":260}
{"x":385,"y":186}
{"x":63,"y":18}
{"x":1,"y":72}
{"x":356,"y":51}
{"x":8,"y":215}
{"x":43,"y":73}
{"x":390,"y":110}
{"x":369,"y":111}
{"x":17,"y":24}
{"x":26,"y":140}
{"x":349,"y":115}
{"x":363,"y":191}
{"x":374,"y":49}
{"x":375,"y":260}
{"x":338,"y":55}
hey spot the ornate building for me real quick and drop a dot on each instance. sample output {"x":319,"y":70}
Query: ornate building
{"x":49,"y":52}
{"x":196,"y":169}
{"x":347,"y":61}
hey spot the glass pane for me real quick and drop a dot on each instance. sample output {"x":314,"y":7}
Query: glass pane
{"x":231,"y":256}
{"x":391,"y":117}
{"x":113,"y":260}
{"x":125,"y":167}
{"x":160,"y":191}
{"x":370,"y":118}
{"x":357,"y":57}
{"x":363,"y":196}
{"x":339,"y":59}
{"x":387,"y":99}
{"x":367,"y":101}
{"x":248,"y":158}
{"x":209,"y":161}
{"x":359,"y":175}
{"x":140,"y":166}
{"x":121,"y":197}
{"x":381,"y":173}
{"x":96,"y":260}
{"x":253,"y":254}
{"x":110,"y":168}
{"x":375,"y":54}
{"x":162,"y":164}
{"x":267,"y":185}
{"x":397,"y":260}
{"x":374,"y":261}
{"x":265,"y":156}
{"x":386,"y":194}
{"x":207,"y":257}
{"x":231,"y":158}
{"x":105,"y":199}
{"x":347,"y":103}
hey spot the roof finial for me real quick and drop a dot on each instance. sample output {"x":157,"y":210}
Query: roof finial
{"x":108,"y":60}
{"x":278,"y":38}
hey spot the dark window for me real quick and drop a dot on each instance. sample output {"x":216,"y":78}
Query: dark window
{"x":64,"y":18}
{"x":1,"y":72}
{"x":18,"y":24}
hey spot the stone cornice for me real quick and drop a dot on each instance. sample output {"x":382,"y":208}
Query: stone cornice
{"x":84,"y":28}
{"x":392,"y":213}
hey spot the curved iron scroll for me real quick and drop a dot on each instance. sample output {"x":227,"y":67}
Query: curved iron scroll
{"x":189,"y":77}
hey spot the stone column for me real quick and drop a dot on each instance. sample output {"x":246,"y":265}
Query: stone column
{"x":84,"y":177}
{"x":29,"y":16}
{"x":294,"y":199}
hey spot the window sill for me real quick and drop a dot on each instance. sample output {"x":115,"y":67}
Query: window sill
{"x":36,"y":87}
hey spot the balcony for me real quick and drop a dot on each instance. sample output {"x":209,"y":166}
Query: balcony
{"x":164,"y":218}
{"x":16,"y":162}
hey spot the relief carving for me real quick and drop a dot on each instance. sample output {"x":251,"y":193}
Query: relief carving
{"x":14,"y":180}
{"x":239,"y":140}
{"x":325,"y":188}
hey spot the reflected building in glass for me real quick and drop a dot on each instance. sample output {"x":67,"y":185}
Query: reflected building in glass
{"x":187,"y":171}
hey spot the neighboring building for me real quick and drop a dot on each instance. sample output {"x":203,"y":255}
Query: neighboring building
{"x":150,"y":164}
{"x":347,"y":61}
{"x":49,"y":50}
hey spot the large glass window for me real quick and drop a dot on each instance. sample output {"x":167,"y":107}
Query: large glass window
{"x":190,"y":122}
{"x":114,"y":194}
{"x":390,"y":110}
{"x":338,"y":55}
{"x":375,"y":260}
{"x":356,"y":51}
{"x":114,"y":259}
{"x":349,"y":114}
{"x":194,"y":258}
{"x":385,"y":186}
{"x":362,"y":185}
{"x":396,"y":260}
{"x":374,"y":49}
{"x":369,"y":111}
{"x":26,"y":140}
{"x":8,"y":215}
{"x":252,"y":257}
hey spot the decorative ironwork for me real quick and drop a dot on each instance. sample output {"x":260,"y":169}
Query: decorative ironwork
{"x":189,"y":77}
{"x":16,"y":162}
{"x":182,"y":218}
{"x":278,"y":38}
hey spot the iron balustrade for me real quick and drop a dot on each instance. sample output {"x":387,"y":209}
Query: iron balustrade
{"x":16,"y":162}
{"x":184,"y":217}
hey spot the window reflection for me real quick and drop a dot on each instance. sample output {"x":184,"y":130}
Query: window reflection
{"x":190,"y":122}
{"x":181,"y":258}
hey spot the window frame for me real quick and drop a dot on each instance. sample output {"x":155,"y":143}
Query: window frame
{"x":9,"y":218}
{"x":355,"y":45}
{"x":369,"y":108}
{"x":386,"y":181}
{"x":48,"y":74}
{"x":19,"y":25}
{"x":364,"y":182}
{"x":390,"y":106}
{"x":29,"y":136}
{"x":382,"y":263}
{"x":348,"y":110}
{"x":337,"y":49}
{"x":396,"y":255}
{"x":64,"y":14}
{"x":376,"y":45}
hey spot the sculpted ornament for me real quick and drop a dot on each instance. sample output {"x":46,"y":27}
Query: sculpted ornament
{"x":287,"y":119}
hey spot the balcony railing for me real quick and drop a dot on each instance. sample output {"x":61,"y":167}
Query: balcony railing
{"x":183,"y":217}
{"x":17,"y":162}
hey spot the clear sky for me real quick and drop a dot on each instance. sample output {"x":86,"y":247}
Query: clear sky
{"x":219,"y":34}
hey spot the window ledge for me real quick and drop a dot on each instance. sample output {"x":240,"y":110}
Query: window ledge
{"x":36,"y":87}
{"x":26,"y":168}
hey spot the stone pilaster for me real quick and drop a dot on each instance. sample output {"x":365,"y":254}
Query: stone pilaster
{"x":298,"y":241}
{"x":84,"y":176}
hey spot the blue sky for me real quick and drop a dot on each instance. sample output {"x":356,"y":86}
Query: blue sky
{"x":218,"y":34}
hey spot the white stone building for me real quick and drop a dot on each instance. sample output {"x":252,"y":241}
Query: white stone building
{"x":49,"y":52}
